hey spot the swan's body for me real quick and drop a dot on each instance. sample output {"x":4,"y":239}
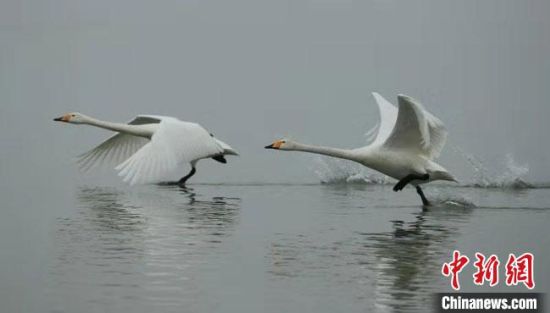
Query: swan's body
{"x":404,"y":145}
{"x":150,"y":147}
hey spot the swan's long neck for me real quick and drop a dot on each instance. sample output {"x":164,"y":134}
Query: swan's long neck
{"x":136,"y":130}
{"x":332,"y":152}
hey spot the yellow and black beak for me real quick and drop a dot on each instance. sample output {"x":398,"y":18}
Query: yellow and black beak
{"x":275,"y":145}
{"x":65,"y":118}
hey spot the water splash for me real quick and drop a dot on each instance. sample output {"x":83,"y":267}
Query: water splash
{"x":512,"y":174}
{"x":452,"y":201}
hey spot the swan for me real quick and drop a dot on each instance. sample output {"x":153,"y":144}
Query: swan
{"x":403,"y":145}
{"x":150,"y":146}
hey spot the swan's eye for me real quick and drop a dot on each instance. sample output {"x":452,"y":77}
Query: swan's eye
{"x":73,"y":115}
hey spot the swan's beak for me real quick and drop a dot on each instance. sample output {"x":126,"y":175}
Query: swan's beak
{"x":64,"y":118}
{"x":276,"y":145}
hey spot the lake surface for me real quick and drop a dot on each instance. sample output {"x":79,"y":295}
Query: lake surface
{"x":257,"y":248}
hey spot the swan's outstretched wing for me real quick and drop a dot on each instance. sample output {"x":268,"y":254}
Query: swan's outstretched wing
{"x":172,"y":143}
{"x":417,"y":129}
{"x":388,"y":116}
{"x":116,"y":148}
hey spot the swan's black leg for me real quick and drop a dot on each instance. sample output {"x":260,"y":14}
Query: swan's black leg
{"x":407,"y":179}
{"x":422,"y":196}
{"x":182,"y":181}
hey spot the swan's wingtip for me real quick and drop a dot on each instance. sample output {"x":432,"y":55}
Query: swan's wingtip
{"x":403,"y":96}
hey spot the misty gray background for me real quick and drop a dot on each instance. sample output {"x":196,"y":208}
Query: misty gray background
{"x":253,"y":71}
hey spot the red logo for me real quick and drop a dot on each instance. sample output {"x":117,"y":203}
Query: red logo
{"x":454,"y":267}
{"x":520,"y":270}
{"x":487,"y":270}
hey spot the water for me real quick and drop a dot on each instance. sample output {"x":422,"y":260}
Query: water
{"x":257,"y":248}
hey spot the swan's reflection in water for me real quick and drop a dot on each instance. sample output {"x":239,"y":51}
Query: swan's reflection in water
{"x":395,"y":270}
{"x":406,"y":261}
{"x":140,"y":243}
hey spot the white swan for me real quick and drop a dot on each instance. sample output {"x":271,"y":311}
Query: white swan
{"x":404,"y":145}
{"x":149,"y":147}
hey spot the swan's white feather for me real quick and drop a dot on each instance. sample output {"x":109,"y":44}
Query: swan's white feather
{"x":388,"y":117}
{"x":173,"y":142}
{"x":371,"y":133}
{"x":416,"y":130}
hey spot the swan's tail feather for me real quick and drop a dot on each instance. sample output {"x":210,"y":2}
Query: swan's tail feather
{"x":227,"y":150}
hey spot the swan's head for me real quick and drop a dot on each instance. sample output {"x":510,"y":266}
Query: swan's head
{"x":73,"y":118}
{"x":281,"y":144}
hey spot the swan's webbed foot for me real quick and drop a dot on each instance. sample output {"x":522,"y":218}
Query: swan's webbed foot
{"x":167,"y":183}
{"x":181,"y":182}
{"x":220,"y":158}
{"x":171,"y":184}
{"x":407,"y":179}
{"x":425,"y":201}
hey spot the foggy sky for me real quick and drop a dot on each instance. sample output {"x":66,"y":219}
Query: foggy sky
{"x":251,"y":71}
